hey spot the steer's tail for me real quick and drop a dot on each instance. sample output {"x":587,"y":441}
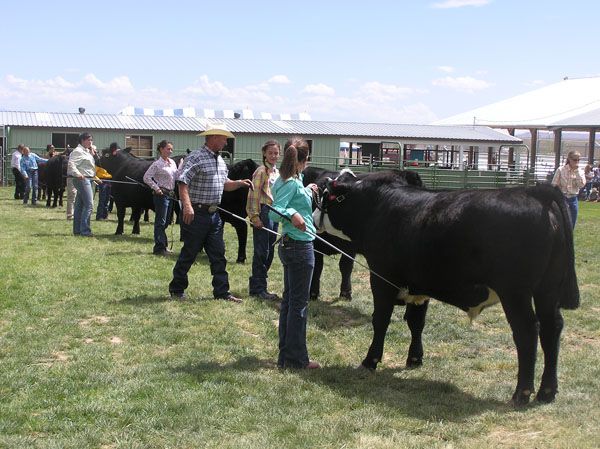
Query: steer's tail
{"x":569,"y":295}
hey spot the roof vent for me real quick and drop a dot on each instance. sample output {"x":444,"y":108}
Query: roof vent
{"x":81,"y":110}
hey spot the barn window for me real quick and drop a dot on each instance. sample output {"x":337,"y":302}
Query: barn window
{"x":61,"y":140}
{"x":140,"y":145}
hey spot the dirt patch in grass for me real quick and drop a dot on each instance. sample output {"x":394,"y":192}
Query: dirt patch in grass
{"x":55,"y":357}
{"x":98,"y":319}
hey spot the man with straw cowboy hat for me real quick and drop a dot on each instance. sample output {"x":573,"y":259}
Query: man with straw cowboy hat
{"x":203,"y":177}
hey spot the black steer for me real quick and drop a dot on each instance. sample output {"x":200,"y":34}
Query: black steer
{"x":235,"y":202}
{"x":124,"y":167}
{"x":469,"y":248}
{"x":55,"y":172}
{"x":319,"y":176}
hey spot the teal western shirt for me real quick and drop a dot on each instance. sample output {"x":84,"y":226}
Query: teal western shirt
{"x":290,"y":197}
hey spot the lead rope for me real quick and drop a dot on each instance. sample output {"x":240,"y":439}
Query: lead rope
{"x":338,"y":250}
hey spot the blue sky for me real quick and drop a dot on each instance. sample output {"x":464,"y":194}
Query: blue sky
{"x":378,"y":61}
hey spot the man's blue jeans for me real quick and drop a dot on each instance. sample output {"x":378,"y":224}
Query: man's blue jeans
{"x":205,"y":231}
{"x":263,"y":253}
{"x":82,"y":209}
{"x":298,"y":261}
{"x":162,"y":206}
{"x":573,"y":205}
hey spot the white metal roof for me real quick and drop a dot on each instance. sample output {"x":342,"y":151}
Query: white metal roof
{"x":254,"y":126}
{"x":567,"y":102}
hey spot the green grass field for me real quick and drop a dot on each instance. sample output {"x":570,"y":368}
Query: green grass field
{"x":94,"y":355}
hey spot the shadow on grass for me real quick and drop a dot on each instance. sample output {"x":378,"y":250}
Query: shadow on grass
{"x":106,"y":237}
{"x":143,"y":299}
{"x":158,"y":298}
{"x":419,"y":398}
{"x":328,"y":315}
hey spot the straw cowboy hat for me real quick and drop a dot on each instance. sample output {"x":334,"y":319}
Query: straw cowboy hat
{"x":217,"y":129}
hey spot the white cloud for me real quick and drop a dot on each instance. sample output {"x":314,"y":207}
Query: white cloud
{"x":372,"y":101}
{"x":120,"y":84}
{"x":459,"y":3}
{"x":462,"y":83}
{"x":319,"y":90}
{"x":380,"y":92}
{"x":445,"y":68}
{"x":279,"y":79}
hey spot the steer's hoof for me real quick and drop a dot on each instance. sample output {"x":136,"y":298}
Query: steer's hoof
{"x":414,"y":362}
{"x":546,"y":395}
{"x":371,"y":365}
{"x":521,"y":398}
{"x":347,"y":295}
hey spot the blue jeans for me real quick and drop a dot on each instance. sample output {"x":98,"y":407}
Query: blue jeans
{"x":573,"y":205}
{"x":162,"y":206}
{"x":84,"y":204}
{"x":263,"y":253}
{"x":298,"y":261}
{"x":31,"y":185}
{"x":103,"y":201}
{"x":205,"y":231}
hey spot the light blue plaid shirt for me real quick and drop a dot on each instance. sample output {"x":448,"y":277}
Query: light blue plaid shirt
{"x":205,"y":174}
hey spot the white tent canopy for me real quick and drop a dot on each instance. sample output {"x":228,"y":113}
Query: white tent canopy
{"x":540,"y":108}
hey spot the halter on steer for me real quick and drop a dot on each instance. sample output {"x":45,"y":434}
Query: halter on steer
{"x":323,"y":208}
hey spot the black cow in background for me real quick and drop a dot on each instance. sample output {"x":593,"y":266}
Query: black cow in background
{"x":41,"y":190}
{"x":55,"y":181}
{"x":122,"y":166}
{"x":319,"y":176}
{"x":235,"y":202}
{"x":468,"y":248}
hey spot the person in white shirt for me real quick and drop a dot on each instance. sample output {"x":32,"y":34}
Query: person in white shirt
{"x":570,"y":181}
{"x":160,"y":176}
{"x":82,"y":168}
{"x":15,"y":165}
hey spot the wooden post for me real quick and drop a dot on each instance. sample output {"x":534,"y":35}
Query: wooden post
{"x":511,"y":151}
{"x":591,"y":146}
{"x":533,"y":152}
{"x":557,"y":145}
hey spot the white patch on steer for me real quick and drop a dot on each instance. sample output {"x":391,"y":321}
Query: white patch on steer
{"x":411,"y":299}
{"x":328,"y":227}
{"x":317,"y":220}
{"x":492,"y":299}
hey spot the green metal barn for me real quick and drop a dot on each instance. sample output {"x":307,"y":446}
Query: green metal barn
{"x":463,"y":154}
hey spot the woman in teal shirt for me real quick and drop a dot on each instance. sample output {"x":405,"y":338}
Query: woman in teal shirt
{"x":294,"y":201}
